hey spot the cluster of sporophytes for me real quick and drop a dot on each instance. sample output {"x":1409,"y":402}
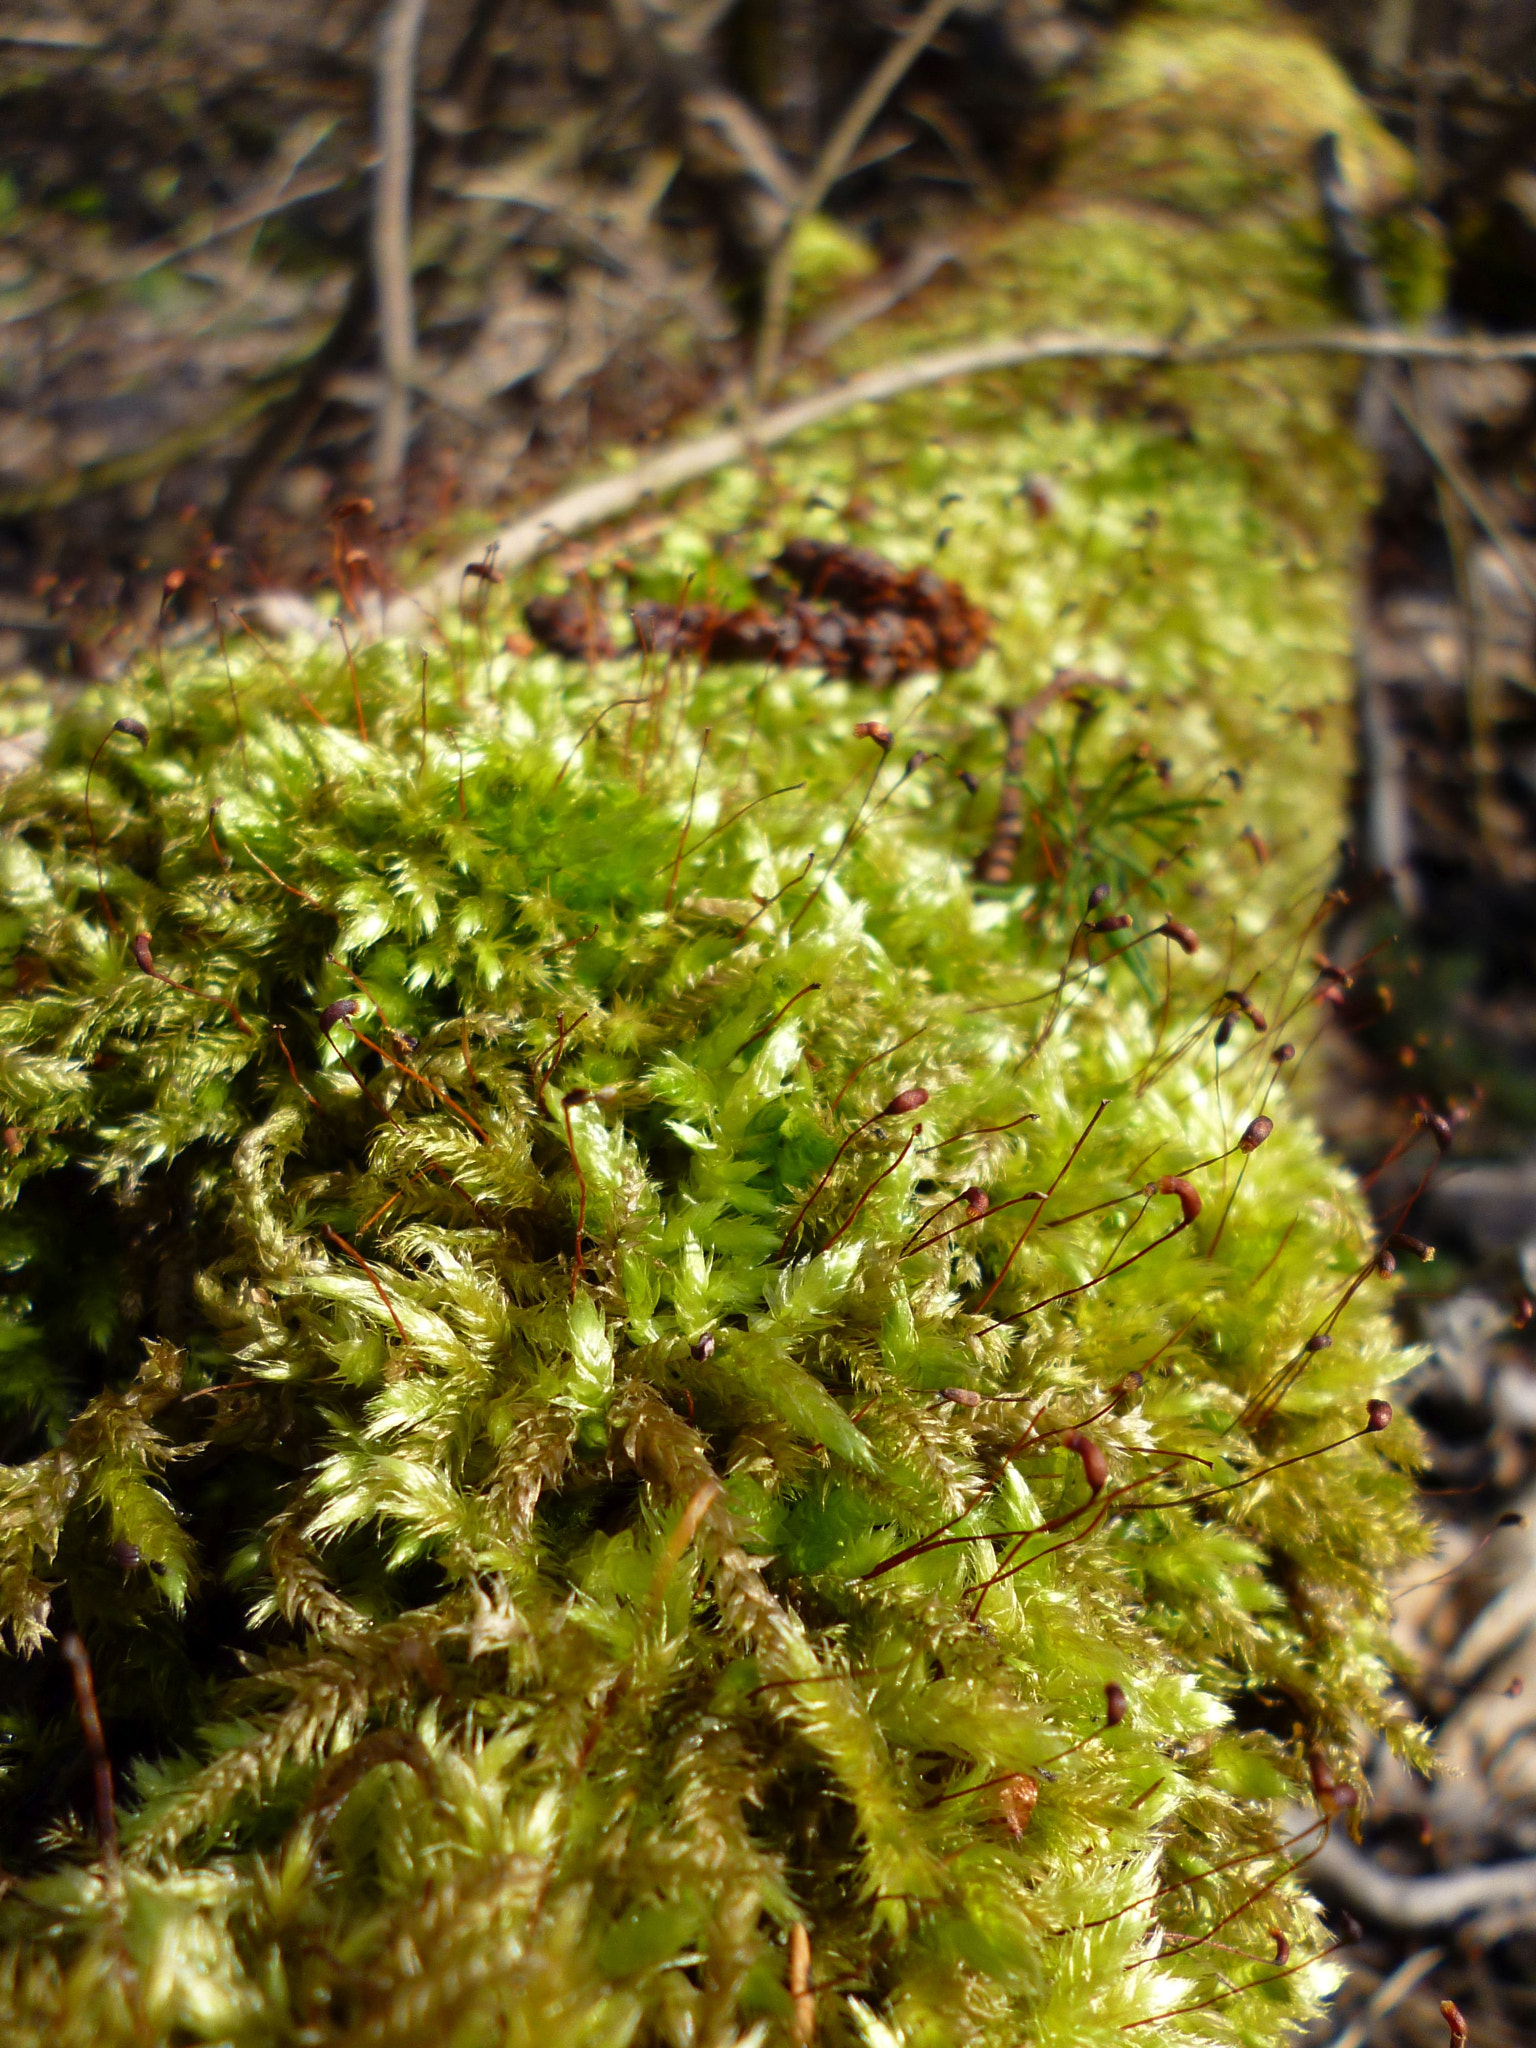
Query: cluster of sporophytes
{"x":633,"y":1407}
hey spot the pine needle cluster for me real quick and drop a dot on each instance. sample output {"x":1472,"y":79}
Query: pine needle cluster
{"x":654,"y":1417}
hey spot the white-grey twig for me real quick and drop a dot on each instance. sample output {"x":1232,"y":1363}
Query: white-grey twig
{"x":395,"y":114}
{"x":591,"y":505}
{"x":1420,"y":1902}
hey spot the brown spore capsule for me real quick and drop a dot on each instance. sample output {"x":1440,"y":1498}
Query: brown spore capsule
{"x":1188,"y":1195}
{"x":142,"y":953}
{"x":1455,"y":2019}
{"x":1320,"y":1340}
{"x":1283,"y":1053}
{"x":904,"y":1103}
{"x":1180,"y":933}
{"x":977,"y":1201}
{"x":344,"y":1006}
{"x":872,"y":729}
{"x":1098,"y":894}
{"x":1257,"y":1131}
{"x":135,"y":729}
{"x":1377,"y":1414}
{"x":573,"y":1098}
{"x":963,"y":1397}
{"x":1116,"y":1705}
{"x":703,"y":1347}
{"x":1095,"y":1464}
{"x":1119,"y":922}
{"x":1400,"y":1241}
{"x":1386,"y":1263}
{"x":1224,"y":1029}
{"x":1282,"y":1947}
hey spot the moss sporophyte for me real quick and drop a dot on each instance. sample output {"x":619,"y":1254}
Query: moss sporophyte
{"x":637,"y":1406}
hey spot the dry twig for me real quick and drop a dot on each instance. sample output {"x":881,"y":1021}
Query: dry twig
{"x":399,"y":34}
{"x":826,"y":171}
{"x":1387,"y":1996}
{"x":1423,"y":1902}
{"x":590,"y":505}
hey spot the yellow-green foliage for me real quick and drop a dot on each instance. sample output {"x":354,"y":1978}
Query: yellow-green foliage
{"x":486,"y":1634}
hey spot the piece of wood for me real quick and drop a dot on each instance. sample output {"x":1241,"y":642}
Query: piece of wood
{"x":1421,"y":1902}
{"x":399,"y":35}
{"x":591,"y":505}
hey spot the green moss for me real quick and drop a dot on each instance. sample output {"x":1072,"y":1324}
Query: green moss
{"x":477,"y":1564}
{"x":825,"y":259}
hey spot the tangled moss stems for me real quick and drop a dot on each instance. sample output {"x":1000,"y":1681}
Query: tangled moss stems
{"x":492,"y":1381}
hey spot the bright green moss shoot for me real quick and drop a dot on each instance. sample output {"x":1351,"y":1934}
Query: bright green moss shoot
{"x":485,"y":1630}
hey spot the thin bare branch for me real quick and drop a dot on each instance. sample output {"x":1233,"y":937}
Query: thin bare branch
{"x":612,"y":497}
{"x":399,"y":35}
{"x":828,"y":168}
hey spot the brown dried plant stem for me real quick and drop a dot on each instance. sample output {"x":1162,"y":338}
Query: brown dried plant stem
{"x":917,"y":1242}
{"x":78,"y":1659}
{"x":136,"y":731}
{"x":616,"y":705}
{"x":682,"y":842}
{"x":1029,"y":1116}
{"x":1102,"y":1505}
{"x":412,"y":1074}
{"x":578,"y":1258}
{"x":351,"y":1251}
{"x":883,"y":1175}
{"x":142,"y":953}
{"x":1262,"y":1405}
{"x":873,"y":1060}
{"x":1234,"y":1990}
{"x":938,"y":1538}
{"x":1023,"y":1238}
{"x":357,"y":693}
{"x":1179,"y":1884}
{"x":842,"y":846}
{"x":726,"y":823}
{"x":763,"y":1030}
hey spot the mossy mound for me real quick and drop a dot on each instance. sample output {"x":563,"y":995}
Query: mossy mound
{"x":483,"y":1318}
